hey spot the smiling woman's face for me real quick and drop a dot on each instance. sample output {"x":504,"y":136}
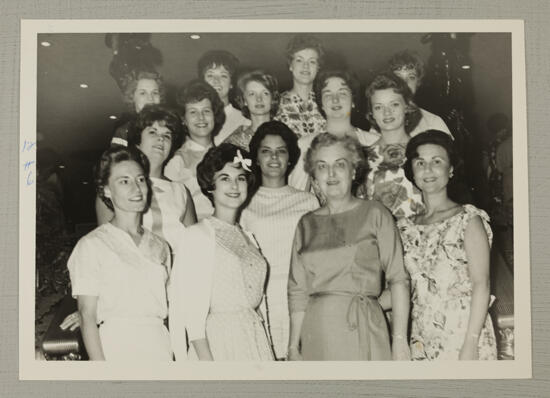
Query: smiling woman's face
{"x":388,"y":109}
{"x":199,"y":119}
{"x":156,"y":142}
{"x":230,"y":187}
{"x":127,"y":187}
{"x":273,"y":157}
{"x":304,"y":66}
{"x":431,"y":168}
{"x":333,"y":171}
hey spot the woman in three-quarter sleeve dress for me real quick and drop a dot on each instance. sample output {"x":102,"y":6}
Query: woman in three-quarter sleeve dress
{"x":339,"y":256}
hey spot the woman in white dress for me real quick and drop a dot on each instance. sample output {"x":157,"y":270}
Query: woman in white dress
{"x":120,"y":269}
{"x":156,"y":132}
{"x":219,"y":274}
{"x":272,"y":216}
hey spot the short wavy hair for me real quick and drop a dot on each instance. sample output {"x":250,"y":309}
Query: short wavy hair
{"x":266,"y":80}
{"x":213,"y":161}
{"x":130,"y":82}
{"x":195,"y":91}
{"x":163,"y":115}
{"x":301,"y":42}
{"x":109,"y":158}
{"x":356,"y":154}
{"x":215,"y":58}
{"x":321,"y":81}
{"x":388,"y":80}
{"x":407,"y":59}
{"x":277,"y":128}
{"x":434,"y":137}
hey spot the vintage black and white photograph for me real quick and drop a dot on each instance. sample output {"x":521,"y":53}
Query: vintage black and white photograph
{"x":287,"y":199}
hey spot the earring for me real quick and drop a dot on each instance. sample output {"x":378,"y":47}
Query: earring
{"x":451,"y":174}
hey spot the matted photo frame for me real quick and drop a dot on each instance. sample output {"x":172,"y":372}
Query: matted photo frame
{"x":60,"y":140}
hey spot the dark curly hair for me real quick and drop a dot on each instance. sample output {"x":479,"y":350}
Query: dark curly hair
{"x":388,"y":80}
{"x":115,"y":155}
{"x":164,"y":116}
{"x":409,"y":60}
{"x":434,"y":137}
{"x":274,"y":127}
{"x":130,"y":82}
{"x":265,"y":79}
{"x":301,"y":42}
{"x":215,"y":58}
{"x":320,"y":83}
{"x":213,"y":161}
{"x":196,"y":91}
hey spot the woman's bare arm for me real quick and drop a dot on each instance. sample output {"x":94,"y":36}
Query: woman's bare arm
{"x":87,"y":307}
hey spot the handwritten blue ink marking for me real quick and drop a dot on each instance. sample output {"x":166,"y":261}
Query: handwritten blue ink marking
{"x":28,"y":145}
{"x":30,"y":180}
{"x":28,"y":164}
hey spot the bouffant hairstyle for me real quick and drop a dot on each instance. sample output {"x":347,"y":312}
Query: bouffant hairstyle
{"x":388,"y":80}
{"x":196,"y":91}
{"x":301,"y":42}
{"x":214,"y":160}
{"x":109,"y":158}
{"x":407,"y":59}
{"x":321,"y":81}
{"x":274,"y":127}
{"x":434,"y":137}
{"x":215,"y":58}
{"x":266,"y":80}
{"x":356,"y":155}
{"x":162,"y":115}
{"x":130,"y":83}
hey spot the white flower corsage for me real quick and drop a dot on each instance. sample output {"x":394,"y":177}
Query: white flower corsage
{"x":245,"y":163}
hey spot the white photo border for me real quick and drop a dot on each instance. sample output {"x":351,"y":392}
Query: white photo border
{"x":32,"y":369}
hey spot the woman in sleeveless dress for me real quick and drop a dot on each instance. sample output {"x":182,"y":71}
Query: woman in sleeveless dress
{"x":447,"y":256}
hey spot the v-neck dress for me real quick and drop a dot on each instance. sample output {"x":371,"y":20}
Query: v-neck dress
{"x":441,"y":287}
{"x":129,"y":281}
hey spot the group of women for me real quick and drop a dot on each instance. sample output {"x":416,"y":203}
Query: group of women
{"x":282,"y":232}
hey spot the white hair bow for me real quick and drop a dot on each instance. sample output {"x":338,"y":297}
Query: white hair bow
{"x":245,"y":163}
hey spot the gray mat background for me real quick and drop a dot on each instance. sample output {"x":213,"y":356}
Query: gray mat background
{"x":536,"y":14}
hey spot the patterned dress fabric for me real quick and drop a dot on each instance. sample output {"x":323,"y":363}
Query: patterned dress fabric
{"x":234,"y":329}
{"x":386,"y":181}
{"x":441,"y":288}
{"x":233,"y":119}
{"x":241,"y":137}
{"x":303,"y":117}
{"x":130,"y":283}
{"x":338,"y":262}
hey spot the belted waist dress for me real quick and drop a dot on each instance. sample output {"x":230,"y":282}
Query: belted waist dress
{"x":337,"y":270}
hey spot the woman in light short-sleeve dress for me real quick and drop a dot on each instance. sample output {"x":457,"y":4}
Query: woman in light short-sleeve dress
{"x":120,"y":269}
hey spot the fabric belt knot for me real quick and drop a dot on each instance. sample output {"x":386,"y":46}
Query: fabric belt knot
{"x":360,"y":307}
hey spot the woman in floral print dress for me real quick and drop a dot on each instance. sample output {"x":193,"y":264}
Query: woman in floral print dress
{"x":393,"y":114}
{"x":447,"y":256}
{"x":297,"y":107}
